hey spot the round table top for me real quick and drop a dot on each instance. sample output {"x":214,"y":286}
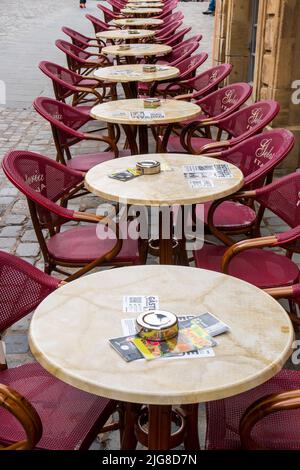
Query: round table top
{"x":164,"y":189}
{"x":124,"y":34}
{"x":137,"y":22}
{"x":69,"y":335}
{"x":119,"y":112}
{"x":138,"y":50}
{"x":141,"y":11}
{"x":134,"y":73}
{"x":145,"y":1}
{"x":144,"y":5}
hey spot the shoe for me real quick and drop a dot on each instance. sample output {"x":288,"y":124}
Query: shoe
{"x":208,"y":12}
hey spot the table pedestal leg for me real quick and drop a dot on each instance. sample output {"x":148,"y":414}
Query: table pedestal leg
{"x":143,"y":140}
{"x":159,"y":433}
{"x":130,"y":90}
{"x":165,"y":239}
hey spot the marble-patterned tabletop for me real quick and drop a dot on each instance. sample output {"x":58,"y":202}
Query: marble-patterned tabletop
{"x":132,"y":73}
{"x":139,"y":50}
{"x":137,"y":22}
{"x":169,"y":187}
{"x":141,"y":11}
{"x":69,"y":335}
{"x":117,"y":34}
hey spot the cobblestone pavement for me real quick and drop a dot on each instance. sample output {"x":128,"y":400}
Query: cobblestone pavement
{"x":27,"y":34}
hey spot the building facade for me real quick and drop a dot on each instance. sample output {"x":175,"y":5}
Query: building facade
{"x":261,"y":39}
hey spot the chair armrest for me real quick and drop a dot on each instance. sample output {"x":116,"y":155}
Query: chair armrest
{"x":92,"y":91}
{"x":263,"y":407}
{"x":186,"y":97}
{"x":281,"y":292}
{"x":27,"y":416}
{"x":3,"y":364}
{"x":214,"y":145}
{"x":263,"y":242}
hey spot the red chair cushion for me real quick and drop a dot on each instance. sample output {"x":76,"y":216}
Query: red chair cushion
{"x":279,"y":431}
{"x":87,"y":161}
{"x":67,"y":414}
{"x":81,"y":245}
{"x":174,"y":145}
{"x":229,"y":215}
{"x":263,"y":268}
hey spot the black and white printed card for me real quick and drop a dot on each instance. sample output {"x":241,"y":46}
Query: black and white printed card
{"x":140,"y":303}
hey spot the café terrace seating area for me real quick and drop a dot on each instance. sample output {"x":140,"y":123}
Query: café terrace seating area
{"x":172,"y":139}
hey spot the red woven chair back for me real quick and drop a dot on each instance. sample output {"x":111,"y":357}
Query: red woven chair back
{"x":64,"y":119}
{"x":98,"y":25}
{"x":282,"y":197}
{"x":169,"y":29}
{"x":64,"y":80}
{"x":44,"y":182}
{"x":226,"y":100}
{"x":210,"y":79}
{"x":108,"y":14}
{"x":250,"y":120}
{"x":116,"y":6}
{"x":189,"y":66}
{"x":259,"y":155}
{"x":22,"y":289}
{"x":178,"y":37}
{"x":197,"y":38}
{"x":182,"y":52}
{"x":76,"y":56}
{"x":77,"y":38}
{"x":178,"y":15}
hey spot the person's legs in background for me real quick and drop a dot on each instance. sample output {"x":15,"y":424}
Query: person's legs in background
{"x":82,"y":3}
{"x":211,"y":8}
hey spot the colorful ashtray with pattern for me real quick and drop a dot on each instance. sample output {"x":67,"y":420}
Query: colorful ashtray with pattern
{"x":148,"y":167}
{"x":152,"y":102}
{"x":133,"y":31}
{"x":157,"y":325}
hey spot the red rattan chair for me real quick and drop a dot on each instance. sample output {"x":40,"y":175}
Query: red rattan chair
{"x":108,"y":14}
{"x":116,"y":6}
{"x":217,"y":105}
{"x":97,"y":24}
{"x":177,"y":38}
{"x":238,"y":126}
{"x":177,"y":16}
{"x":257,"y":158}
{"x":66,"y":122}
{"x":266,"y":417}
{"x":68,"y":84}
{"x":45,"y":182}
{"x":81,"y":61}
{"x":168,"y":30}
{"x":167,"y":10}
{"x":49,"y":414}
{"x":196,"y":38}
{"x":187,"y":68}
{"x":82,"y":41}
{"x":179,"y":54}
{"x":247,"y":260}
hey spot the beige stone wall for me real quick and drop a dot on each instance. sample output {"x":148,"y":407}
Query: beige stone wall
{"x":277,"y":54}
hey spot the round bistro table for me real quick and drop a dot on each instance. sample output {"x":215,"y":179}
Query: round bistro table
{"x":137,"y":22}
{"x":120,"y":112}
{"x":148,"y":51}
{"x":70,"y":329}
{"x":141,"y":12}
{"x":163,"y":190}
{"x":129,"y":75}
{"x":125,"y":35}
